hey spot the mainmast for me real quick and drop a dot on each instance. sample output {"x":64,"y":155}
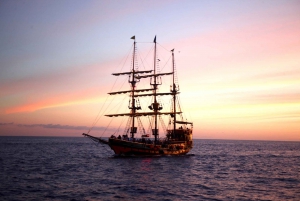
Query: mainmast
{"x":155,"y":104}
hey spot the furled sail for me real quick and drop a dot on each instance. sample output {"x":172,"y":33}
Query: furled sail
{"x":158,"y":94}
{"x":183,"y":122}
{"x":141,"y":114}
{"x":135,"y":72}
{"x":128,"y":91}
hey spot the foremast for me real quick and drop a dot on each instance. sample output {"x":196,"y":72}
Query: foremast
{"x":133,"y":84}
{"x":133,"y":79}
{"x":155,"y":104}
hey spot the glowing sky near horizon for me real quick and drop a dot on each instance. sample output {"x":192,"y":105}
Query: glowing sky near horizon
{"x":238,"y":63}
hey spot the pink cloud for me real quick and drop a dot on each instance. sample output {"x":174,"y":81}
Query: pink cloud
{"x":53,"y":101}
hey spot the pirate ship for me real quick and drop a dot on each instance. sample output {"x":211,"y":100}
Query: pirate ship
{"x":176,"y":138}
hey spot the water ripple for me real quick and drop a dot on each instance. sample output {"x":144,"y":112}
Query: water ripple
{"x":40,"y":168}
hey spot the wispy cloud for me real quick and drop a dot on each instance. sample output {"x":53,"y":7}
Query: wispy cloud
{"x":53,"y":126}
{"x":5,"y":124}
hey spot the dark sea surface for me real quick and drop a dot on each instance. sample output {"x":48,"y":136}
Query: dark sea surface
{"x":51,"y":168}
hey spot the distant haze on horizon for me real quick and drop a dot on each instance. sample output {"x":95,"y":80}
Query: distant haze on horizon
{"x":238,"y":64}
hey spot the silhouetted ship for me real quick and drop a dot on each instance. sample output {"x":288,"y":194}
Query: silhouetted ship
{"x":177,"y":138}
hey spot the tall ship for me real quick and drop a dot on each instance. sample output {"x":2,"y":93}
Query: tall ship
{"x":159,"y":139}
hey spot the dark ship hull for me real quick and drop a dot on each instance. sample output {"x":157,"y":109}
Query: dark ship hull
{"x":145,"y":148}
{"x":121,"y":147}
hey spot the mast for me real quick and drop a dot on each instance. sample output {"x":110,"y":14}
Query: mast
{"x":174,"y":92}
{"x":155,"y":105}
{"x":133,"y":82}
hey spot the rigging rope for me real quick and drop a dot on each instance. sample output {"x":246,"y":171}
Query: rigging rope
{"x":141,"y":58}
{"x":163,"y":124}
{"x":141,"y":127}
{"x":107,"y":126}
{"x":127,"y":126}
{"x":120,"y":104}
{"x":163,"y":47}
{"x":150,"y":124}
{"x":97,"y":117}
{"x":120,"y":125}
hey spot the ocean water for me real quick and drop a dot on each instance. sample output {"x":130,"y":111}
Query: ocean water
{"x":51,"y":168}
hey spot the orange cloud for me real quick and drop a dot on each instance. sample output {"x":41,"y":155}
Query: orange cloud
{"x":57,"y":101}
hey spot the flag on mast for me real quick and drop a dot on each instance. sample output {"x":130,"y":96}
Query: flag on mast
{"x":133,"y":37}
{"x":154,"y":40}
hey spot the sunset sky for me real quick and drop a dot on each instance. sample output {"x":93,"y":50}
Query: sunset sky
{"x":238,"y":63}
